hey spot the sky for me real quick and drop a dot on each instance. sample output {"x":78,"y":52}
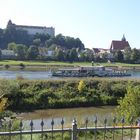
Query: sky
{"x":95,"y":22}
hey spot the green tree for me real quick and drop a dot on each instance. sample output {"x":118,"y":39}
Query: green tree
{"x":32,"y":52}
{"x":0,"y":53}
{"x":105,"y":56}
{"x":21,"y":51}
{"x":81,"y":86}
{"x":73,"y":56}
{"x":42,"y":37}
{"x":127,"y":54}
{"x":82,"y":56}
{"x":135,"y":55}
{"x":37,"y":42}
{"x":60,"y":55}
{"x":119,"y":56}
{"x":12,"y":46}
{"x":130,"y":105}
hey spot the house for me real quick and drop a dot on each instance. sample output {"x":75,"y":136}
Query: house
{"x":119,"y":45}
{"x":44,"y":52}
{"x":96,"y":50}
{"x":32,"y":30}
{"x":7,"y":54}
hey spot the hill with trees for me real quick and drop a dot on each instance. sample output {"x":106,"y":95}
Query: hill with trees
{"x":27,"y":46}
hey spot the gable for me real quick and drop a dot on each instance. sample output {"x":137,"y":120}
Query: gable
{"x":119,"y":45}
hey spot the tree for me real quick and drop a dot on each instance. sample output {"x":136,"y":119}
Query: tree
{"x":81,"y":86}
{"x":12,"y":46}
{"x":32,"y":52}
{"x":60,"y":55}
{"x":130,"y":105}
{"x":60,"y":40}
{"x":37,"y":42}
{"x":21,"y":51}
{"x":73,"y":56}
{"x":42,"y":37}
{"x":127,"y":54}
{"x":0,"y":53}
{"x":135,"y":55}
{"x":105,"y":56}
{"x":82,"y":56}
{"x":119,"y":56}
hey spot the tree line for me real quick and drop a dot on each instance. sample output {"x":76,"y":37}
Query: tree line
{"x":128,"y":55}
{"x":64,"y":48}
{"x":27,"y":46}
{"x":40,"y":94}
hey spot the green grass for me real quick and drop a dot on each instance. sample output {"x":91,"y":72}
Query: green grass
{"x":53,"y":63}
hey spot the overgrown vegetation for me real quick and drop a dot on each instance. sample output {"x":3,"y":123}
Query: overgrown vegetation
{"x":21,"y":94}
{"x":25,"y":95}
{"x":129,"y":105}
{"x":36,"y":94}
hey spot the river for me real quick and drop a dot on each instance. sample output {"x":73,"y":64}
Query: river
{"x":30,"y":74}
{"x":58,"y":114}
{"x":68,"y":115}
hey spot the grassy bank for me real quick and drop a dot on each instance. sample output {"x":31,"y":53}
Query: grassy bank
{"x":56,"y":63}
{"x":41,"y":94}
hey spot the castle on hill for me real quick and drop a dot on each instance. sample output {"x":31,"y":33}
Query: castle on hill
{"x":32,"y":30}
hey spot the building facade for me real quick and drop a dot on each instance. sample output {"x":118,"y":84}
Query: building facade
{"x":7,"y":54}
{"x":119,"y":45}
{"x":32,"y":30}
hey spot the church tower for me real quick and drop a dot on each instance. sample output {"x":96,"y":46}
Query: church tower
{"x":123,"y":38}
{"x":10,"y":24}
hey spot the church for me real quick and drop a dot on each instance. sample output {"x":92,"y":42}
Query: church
{"x":119,"y":45}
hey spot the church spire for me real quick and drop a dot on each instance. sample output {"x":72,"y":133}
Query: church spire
{"x":123,"y":38}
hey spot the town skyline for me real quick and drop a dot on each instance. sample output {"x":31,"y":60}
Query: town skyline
{"x":96,"y":23}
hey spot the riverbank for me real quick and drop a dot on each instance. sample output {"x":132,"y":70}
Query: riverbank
{"x":64,"y":93}
{"x":56,"y":64}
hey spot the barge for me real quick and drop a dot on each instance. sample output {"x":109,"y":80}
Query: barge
{"x":90,"y":71}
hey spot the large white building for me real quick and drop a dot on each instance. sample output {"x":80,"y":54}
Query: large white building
{"x":32,"y":30}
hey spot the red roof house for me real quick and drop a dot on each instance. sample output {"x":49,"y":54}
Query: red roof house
{"x":119,"y":45}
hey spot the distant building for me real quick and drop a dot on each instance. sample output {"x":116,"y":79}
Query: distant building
{"x":100,"y":50}
{"x":7,"y":54}
{"x":117,"y":45}
{"x":32,"y":30}
{"x":44,"y":52}
{"x":96,"y":50}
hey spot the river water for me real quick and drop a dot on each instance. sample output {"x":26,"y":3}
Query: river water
{"x":57,"y":114}
{"x":10,"y":74}
{"x":68,"y":115}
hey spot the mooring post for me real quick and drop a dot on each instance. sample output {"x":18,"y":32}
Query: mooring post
{"x":74,"y":130}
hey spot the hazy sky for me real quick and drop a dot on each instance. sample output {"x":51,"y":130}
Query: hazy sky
{"x":95,"y":22}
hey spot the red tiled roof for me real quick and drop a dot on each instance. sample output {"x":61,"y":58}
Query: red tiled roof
{"x":119,"y":45}
{"x":96,"y":50}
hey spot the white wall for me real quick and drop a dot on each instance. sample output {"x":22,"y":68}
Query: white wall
{"x":43,"y":30}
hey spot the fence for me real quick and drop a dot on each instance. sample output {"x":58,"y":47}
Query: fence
{"x":114,"y":132}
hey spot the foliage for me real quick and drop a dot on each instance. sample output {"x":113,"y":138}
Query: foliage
{"x":24,"y":94}
{"x":135,"y":55}
{"x":0,"y":53}
{"x":129,"y":105}
{"x":81,"y":86}
{"x":119,"y":56}
{"x":60,"y":55}
{"x":32,"y":52}
{"x":3,"y":103}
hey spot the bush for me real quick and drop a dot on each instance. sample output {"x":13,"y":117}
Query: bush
{"x":35,"y":94}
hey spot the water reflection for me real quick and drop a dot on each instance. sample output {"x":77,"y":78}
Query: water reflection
{"x":68,"y":115}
